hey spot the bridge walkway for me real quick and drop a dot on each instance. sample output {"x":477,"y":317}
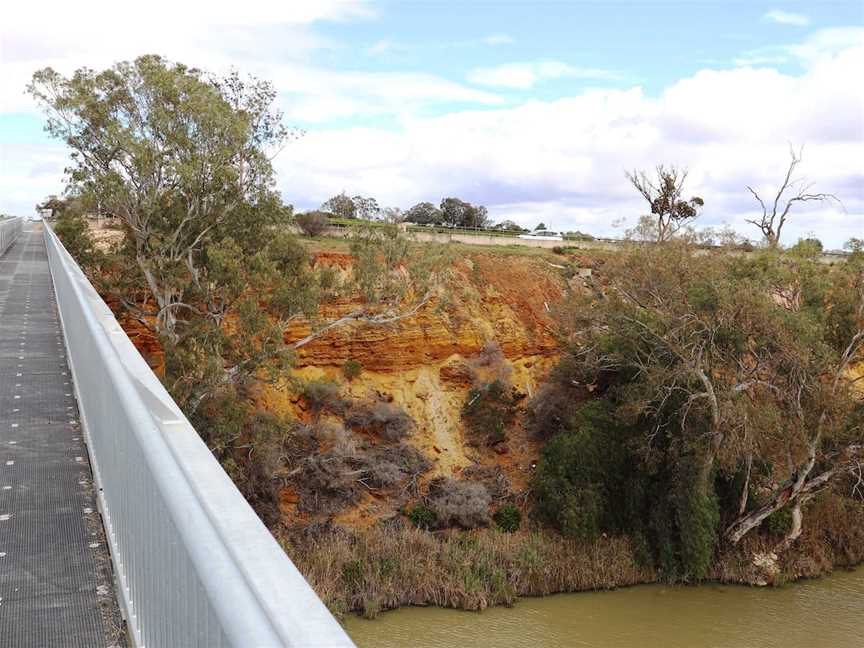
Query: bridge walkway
{"x":55,"y":572}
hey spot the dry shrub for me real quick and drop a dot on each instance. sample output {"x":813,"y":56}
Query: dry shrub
{"x":459,"y":503}
{"x":388,"y":566}
{"x":387,"y":421}
{"x":327,"y":481}
{"x":490,"y":365}
{"x":493,"y":479}
{"x":389,"y":466}
{"x":832,"y":536}
{"x":323,"y":396}
{"x":335,"y":474}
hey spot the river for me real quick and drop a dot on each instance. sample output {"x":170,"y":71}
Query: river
{"x":827,"y":613}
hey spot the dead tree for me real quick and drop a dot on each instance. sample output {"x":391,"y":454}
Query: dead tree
{"x":669,"y":212}
{"x":791,"y":191}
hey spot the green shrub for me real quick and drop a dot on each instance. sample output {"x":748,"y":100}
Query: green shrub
{"x":489,"y":411}
{"x":508,"y":518}
{"x":74,"y":233}
{"x":779,"y":522}
{"x":352,"y":369}
{"x":423,"y":517}
{"x":353,"y":573}
{"x":312,"y":223}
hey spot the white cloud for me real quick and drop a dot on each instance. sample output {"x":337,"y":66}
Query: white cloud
{"x":498,"y":39}
{"x":562,"y":162}
{"x":380,"y":47}
{"x":786,"y":18}
{"x":821,"y":44}
{"x":526,"y":75}
{"x":212,"y":34}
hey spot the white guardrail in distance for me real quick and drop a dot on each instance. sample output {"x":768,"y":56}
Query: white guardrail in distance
{"x":10,"y":228}
{"x":193,"y":564}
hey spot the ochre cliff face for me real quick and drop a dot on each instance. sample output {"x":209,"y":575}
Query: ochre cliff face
{"x":507,"y":299}
{"x":421,"y":363}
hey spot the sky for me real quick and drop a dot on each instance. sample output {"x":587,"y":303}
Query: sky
{"x":535,"y":110}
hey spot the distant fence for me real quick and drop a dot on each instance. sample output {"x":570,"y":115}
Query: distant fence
{"x":194,"y":565}
{"x":10,"y":228}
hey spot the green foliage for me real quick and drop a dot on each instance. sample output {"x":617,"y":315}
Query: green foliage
{"x":577,"y":477}
{"x":779,"y":522}
{"x":459,"y":213}
{"x":353,"y":573}
{"x":251,"y":445}
{"x":489,"y":411}
{"x":340,"y":206}
{"x":674,"y":407}
{"x":424,"y":213}
{"x":352,"y":369}
{"x":422,"y":517}
{"x":311,"y":223}
{"x":508,"y":518}
{"x":72,"y":230}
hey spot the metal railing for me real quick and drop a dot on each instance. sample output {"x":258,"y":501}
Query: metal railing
{"x":193,"y":564}
{"x":10,"y":228}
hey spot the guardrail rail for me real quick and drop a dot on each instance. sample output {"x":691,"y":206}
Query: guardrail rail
{"x":193,"y":564}
{"x":10,"y":229}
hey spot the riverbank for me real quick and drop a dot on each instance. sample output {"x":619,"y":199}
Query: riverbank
{"x":823,"y":613}
{"x":393,"y":564}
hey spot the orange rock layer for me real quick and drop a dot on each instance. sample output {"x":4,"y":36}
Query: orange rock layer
{"x":505,"y":299}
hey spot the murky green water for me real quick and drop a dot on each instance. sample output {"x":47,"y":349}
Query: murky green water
{"x":828,"y":612}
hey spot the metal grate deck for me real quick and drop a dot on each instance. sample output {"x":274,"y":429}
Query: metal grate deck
{"x":55,"y":579}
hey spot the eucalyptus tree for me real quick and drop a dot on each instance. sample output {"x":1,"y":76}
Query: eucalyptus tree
{"x":341,"y":206}
{"x":713,"y":369}
{"x":183,"y":160}
{"x":180,"y":158}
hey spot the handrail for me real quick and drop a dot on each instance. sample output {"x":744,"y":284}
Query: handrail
{"x":194,"y":566}
{"x":10,"y":229}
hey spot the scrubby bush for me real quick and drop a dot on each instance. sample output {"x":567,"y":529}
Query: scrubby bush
{"x":391,"y":465}
{"x":389,"y":422}
{"x":489,"y":411}
{"x":555,"y":404}
{"x":779,"y":522}
{"x":508,"y":518}
{"x":459,"y":503}
{"x":352,"y":369}
{"x":490,"y":365}
{"x":253,"y":447}
{"x":337,"y":470}
{"x":592,"y":479}
{"x":422,"y":517}
{"x":328,"y":482}
{"x":323,"y":395}
{"x":72,"y":230}
{"x":311,"y":223}
{"x":493,"y":478}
